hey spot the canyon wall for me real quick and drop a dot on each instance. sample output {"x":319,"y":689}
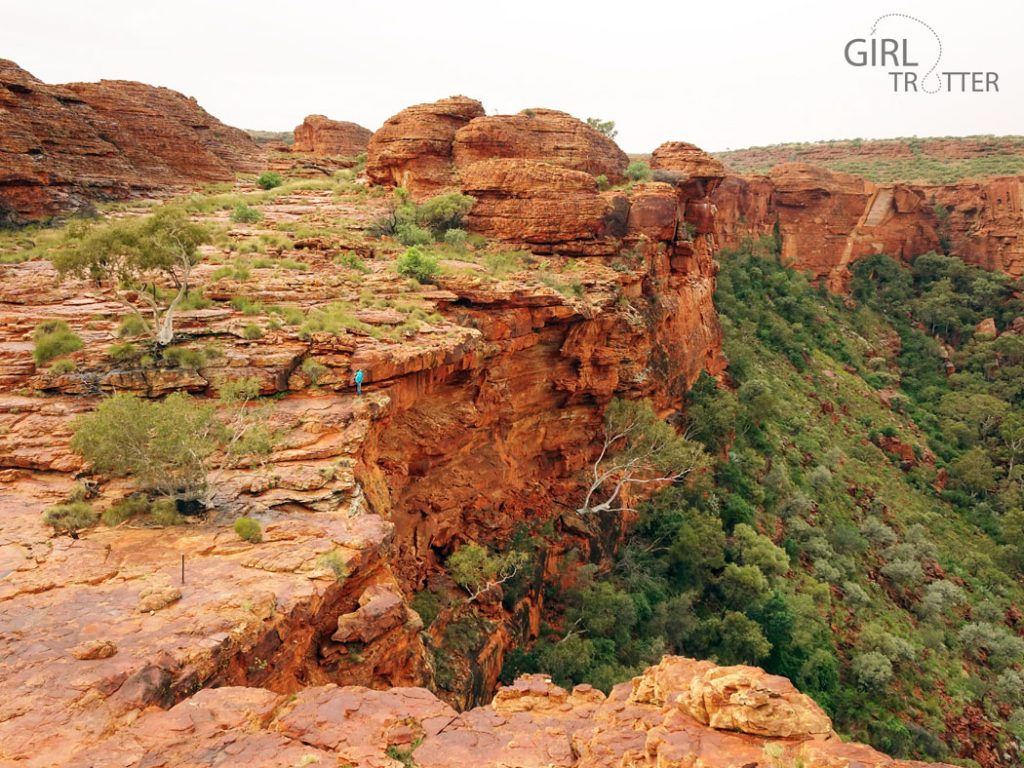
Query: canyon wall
{"x":826,"y":220}
{"x":63,"y":147}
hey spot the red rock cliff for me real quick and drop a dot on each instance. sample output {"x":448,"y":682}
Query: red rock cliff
{"x":62,"y":147}
{"x":827,"y":220}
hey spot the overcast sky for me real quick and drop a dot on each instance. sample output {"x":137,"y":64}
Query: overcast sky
{"x":720,"y":73}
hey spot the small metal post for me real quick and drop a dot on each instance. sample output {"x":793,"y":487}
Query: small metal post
{"x":182,"y":569}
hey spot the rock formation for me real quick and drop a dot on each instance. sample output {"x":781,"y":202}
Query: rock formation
{"x":545,"y":135}
{"x":543,"y":207}
{"x":319,"y":135}
{"x":827,"y":220}
{"x":413,"y":149}
{"x":62,"y":147}
{"x":678,"y":714}
{"x":432,"y":147}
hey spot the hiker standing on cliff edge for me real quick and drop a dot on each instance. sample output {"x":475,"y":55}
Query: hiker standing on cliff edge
{"x":359,"y":381}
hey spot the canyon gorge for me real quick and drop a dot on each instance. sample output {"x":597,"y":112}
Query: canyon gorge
{"x":482,"y":414}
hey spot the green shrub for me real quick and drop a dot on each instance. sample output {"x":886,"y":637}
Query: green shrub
{"x":61,"y":367}
{"x":70,"y":517}
{"x":165,"y":513}
{"x":602,"y":183}
{"x":417,"y":264}
{"x":185,"y":357}
{"x":123,"y":351}
{"x":872,"y":671}
{"x":132,"y":325}
{"x":249,"y":530}
{"x":412,"y":234}
{"x":244,"y":214}
{"x":54,"y":338}
{"x":269,"y":180}
{"x":638,"y":170}
{"x":443,"y":212}
{"x":456,"y":239}
{"x":253,"y":331}
{"x":162,"y":444}
{"x":352,"y":261}
{"x":428,"y":605}
{"x":314,"y":369}
{"x":127,"y":508}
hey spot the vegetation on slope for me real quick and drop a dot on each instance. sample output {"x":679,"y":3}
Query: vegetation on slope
{"x":823,"y":545}
{"x":929,"y":160}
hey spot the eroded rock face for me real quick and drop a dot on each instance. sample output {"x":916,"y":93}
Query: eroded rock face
{"x":543,"y":207}
{"x":62,"y":147}
{"x":545,"y":135}
{"x":984,"y":222}
{"x":827,"y":220}
{"x":530,"y":724}
{"x":693,"y":168}
{"x":413,"y":149}
{"x":320,"y":135}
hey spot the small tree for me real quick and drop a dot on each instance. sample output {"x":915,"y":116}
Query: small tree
{"x":639,"y":448}
{"x":638,"y":170}
{"x":604,"y":127}
{"x":136,"y":259}
{"x":177,"y":447}
{"x":478,"y":571}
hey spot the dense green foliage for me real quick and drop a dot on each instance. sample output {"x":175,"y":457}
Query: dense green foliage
{"x":417,"y":264}
{"x":638,"y":170}
{"x":424,"y":223}
{"x":813,"y":548}
{"x":269,"y":180}
{"x":167,"y":446}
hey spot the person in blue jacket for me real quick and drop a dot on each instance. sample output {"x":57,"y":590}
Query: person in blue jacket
{"x":359,"y":381}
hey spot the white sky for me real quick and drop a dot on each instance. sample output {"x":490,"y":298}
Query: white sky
{"x":721,"y":73}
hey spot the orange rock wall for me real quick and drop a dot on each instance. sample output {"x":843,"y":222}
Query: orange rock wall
{"x":827,"y":220}
{"x":63,"y":147}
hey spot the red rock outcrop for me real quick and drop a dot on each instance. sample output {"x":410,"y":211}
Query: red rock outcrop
{"x":543,"y":207}
{"x":62,"y":147}
{"x":545,"y":135}
{"x":413,"y":149}
{"x":694,"y":169}
{"x":679,"y":714}
{"x":984,"y":222}
{"x":320,"y":135}
{"x":827,"y":220}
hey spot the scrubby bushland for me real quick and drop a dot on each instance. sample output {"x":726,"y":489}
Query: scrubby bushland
{"x":892,"y":599}
{"x":425,"y":223}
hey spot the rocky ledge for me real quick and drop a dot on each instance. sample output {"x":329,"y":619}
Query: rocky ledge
{"x":681,"y":713}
